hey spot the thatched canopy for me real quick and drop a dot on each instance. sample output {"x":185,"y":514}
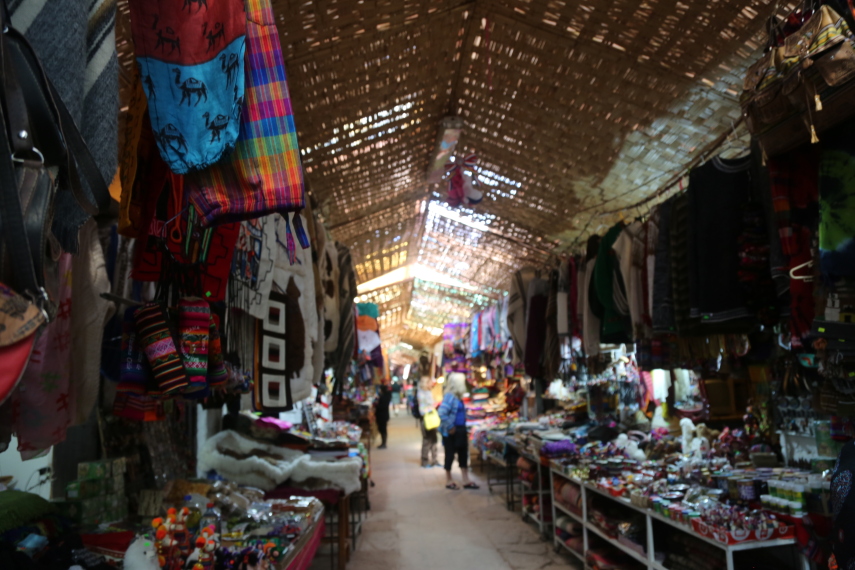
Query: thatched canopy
{"x":576,"y":108}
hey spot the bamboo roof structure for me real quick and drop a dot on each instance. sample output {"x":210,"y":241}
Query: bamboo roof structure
{"x":577,"y":109}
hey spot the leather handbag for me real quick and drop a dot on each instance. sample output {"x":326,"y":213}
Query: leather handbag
{"x":802,"y":86}
{"x":41,"y":153}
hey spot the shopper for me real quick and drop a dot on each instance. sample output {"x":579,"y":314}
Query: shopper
{"x":424,"y":404}
{"x":381,"y":415}
{"x":843,"y":508}
{"x":455,"y":439}
{"x":396,"y":397}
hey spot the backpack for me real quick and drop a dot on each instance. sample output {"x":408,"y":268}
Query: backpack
{"x":414,"y":407}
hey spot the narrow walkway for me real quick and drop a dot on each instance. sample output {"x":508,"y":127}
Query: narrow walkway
{"x":415,"y":523}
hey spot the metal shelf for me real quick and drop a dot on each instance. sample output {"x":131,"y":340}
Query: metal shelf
{"x":614,"y":542}
{"x":649,"y":561}
{"x":572,"y":551}
{"x":567,"y":512}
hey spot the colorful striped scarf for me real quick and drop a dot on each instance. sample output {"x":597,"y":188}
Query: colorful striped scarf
{"x":263,"y":175}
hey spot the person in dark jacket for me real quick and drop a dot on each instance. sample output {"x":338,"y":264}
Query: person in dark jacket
{"x":843,"y":508}
{"x":382,"y":412}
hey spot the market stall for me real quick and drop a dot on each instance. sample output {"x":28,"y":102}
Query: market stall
{"x":238,"y":237}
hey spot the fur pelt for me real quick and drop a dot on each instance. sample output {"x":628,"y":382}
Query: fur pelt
{"x":257,"y":464}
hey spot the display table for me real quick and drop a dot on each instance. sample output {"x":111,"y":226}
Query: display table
{"x":501,"y":472}
{"x":540,"y":489}
{"x":331,"y":498}
{"x":305,"y":548}
{"x":652,"y":519}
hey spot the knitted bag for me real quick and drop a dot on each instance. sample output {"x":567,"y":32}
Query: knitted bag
{"x":135,"y":371}
{"x":191,"y":57}
{"x":263,"y":175}
{"x":217,"y":375}
{"x":156,"y":338}
{"x":194,"y":326}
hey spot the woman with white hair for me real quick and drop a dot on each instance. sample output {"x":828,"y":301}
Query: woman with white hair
{"x":455,"y":439}
{"x":426,"y":403}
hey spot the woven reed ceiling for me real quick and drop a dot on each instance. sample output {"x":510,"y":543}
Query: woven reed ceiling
{"x":576,"y":109}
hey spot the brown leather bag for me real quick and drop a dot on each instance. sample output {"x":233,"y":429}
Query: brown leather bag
{"x":803,"y":86}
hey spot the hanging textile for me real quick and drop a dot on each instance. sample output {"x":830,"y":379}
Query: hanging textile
{"x":263,"y":175}
{"x":616,"y":327}
{"x":535,"y":338}
{"x":272,"y":387}
{"x":517,"y":302}
{"x":651,"y":241}
{"x":718,"y":194}
{"x":191,"y":57}
{"x":629,"y":251}
{"x":551,"y":344}
{"x":178,"y":251}
{"x":41,"y":406}
{"x":142,"y":185}
{"x":837,"y":204}
{"x":589,"y":306}
{"x":76,"y":44}
{"x":331,"y":283}
{"x":662,"y":304}
{"x":504,"y":333}
{"x":795,"y":195}
{"x":297,"y":281}
{"x":252,"y":265}
{"x":342,"y":356}
{"x":679,"y":270}
{"x":89,"y":316}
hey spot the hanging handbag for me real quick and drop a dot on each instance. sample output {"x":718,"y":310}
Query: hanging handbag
{"x":263,"y":175}
{"x":803,"y":86}
{"x":41,"y":153}
{"x":431,"y":420}
{"x":191,"y":58}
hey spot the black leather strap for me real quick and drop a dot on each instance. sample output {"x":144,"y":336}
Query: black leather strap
{"x":78,"y":158}
{"x":12,"y":217}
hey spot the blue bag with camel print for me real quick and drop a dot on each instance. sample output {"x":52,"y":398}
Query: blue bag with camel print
{"x":191,"y":59}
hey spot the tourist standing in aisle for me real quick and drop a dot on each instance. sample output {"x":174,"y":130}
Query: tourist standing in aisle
{"x":396,"y":397}
{"x":381,"y":414}
{"x":455,"y":439}
{"x":426,"y":403}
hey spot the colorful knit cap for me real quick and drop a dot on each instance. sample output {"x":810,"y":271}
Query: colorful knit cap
{"x":194,"y":325}
{"x":157,"y":340}
{"x":135,"y":371}
{"x":191,"y":58}
{"x":263,"y":175}
{"x":216,"y":366}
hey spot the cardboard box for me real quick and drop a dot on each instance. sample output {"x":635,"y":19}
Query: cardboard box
{"x":120,"y":466}
{"x":115,"y":484}
{"x":95,"y":469}
{"x":84,"y":489}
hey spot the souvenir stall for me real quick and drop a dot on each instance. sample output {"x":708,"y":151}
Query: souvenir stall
{"x":175,"y":344}
{"x":630,"y":225}
{"x":686,"y":367}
